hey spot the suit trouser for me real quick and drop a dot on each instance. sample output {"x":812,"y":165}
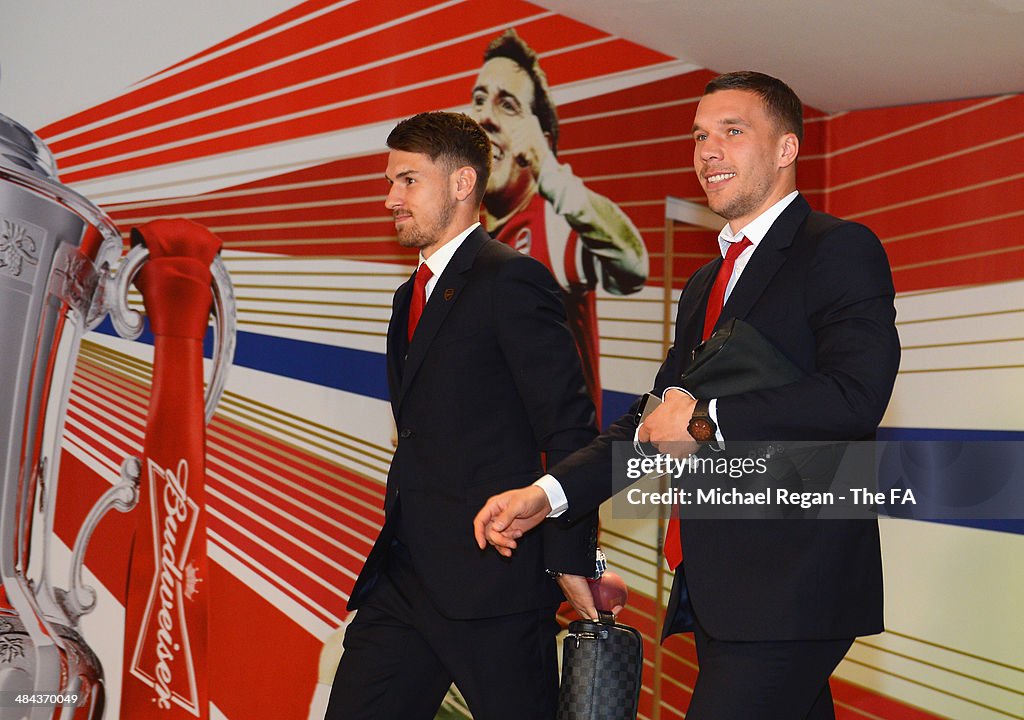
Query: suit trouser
{"x":764,"y":680}
{"x":401,"y":655}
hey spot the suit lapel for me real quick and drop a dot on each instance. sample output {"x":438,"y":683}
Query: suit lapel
{"x":397,"y":342}
{"x":692,"y":307}
{"x":443,"y":297}
{"x":765,"y":262}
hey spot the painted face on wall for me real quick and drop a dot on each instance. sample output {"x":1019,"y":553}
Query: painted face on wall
{"x":739,"y":155}
{"x":502,"y":99}
{"x":421,"y":199}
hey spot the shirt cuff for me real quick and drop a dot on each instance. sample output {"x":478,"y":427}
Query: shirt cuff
{"x":556,"y":495}
{"x":676,"y":388}
{"x":713,"y":412}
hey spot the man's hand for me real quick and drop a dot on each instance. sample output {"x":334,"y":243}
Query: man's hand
{"x":534,"y":145}
{"x":666,"y":427}
{"x":504,"y":518}
{"x":577,"y":591}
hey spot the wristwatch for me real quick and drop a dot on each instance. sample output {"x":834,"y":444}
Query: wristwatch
{"x":701,"y":427}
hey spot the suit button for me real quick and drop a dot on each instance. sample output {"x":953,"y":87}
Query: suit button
{"x":406,"y":434}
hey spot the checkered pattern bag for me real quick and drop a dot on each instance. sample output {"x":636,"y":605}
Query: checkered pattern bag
{"x":601,"y":667}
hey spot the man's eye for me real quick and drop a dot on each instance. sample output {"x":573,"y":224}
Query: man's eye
{"x":510,"y":106}
{"x":479,"y":99}
{"x":735,"y":131}
{"x":700,"y":137}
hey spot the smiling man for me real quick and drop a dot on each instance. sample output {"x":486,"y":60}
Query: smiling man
{"x":539,"y":207}
{"x":484,"y":379}
{"x":773,"y":604}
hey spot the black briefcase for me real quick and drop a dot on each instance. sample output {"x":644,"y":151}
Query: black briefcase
{"x":737,"y":359}
{"x":602,"y":665}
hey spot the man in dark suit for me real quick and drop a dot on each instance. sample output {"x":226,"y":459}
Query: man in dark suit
{"x":774,"y":605}
{"x":484,"y":379}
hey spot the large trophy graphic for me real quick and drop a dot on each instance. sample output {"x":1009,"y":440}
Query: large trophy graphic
{"x":58,"y":279}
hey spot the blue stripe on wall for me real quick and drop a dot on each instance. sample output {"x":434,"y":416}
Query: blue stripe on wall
{"x":364,"y":373}
{"x":356,"y":371}
{"x":614,"y":405}
{"x":1015,"y":526}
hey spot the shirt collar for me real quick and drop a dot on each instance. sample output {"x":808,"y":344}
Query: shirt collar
{"x":439,"y":260}
{"x":757,"y":228}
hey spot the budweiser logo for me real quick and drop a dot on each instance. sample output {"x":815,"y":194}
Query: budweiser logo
{"x":163,"y":657}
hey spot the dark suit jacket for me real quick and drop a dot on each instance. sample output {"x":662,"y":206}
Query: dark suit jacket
{"x":821,"y":290}
{"x":491,"y":381}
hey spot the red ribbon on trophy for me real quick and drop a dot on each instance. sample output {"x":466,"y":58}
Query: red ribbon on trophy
{"x":167,"y":607}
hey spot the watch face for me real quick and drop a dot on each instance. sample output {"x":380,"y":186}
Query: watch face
{"x":701,"y":429}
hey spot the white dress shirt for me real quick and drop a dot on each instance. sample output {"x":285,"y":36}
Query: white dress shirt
{"x":755,"y":232}
{"x":440,"y":258}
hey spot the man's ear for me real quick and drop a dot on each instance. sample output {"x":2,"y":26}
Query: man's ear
{"x":789,"y":148}
{"x":465,"y":182}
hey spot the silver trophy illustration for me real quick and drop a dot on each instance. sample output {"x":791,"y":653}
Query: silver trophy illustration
{"x":58,"y":253}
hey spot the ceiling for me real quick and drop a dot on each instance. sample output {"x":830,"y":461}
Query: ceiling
{"x":836,"y":54}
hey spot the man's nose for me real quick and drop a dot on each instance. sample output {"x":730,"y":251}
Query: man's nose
{"x":710,"y":149}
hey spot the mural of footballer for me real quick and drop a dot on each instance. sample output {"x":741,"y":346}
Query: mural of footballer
{"x":536,"y":205}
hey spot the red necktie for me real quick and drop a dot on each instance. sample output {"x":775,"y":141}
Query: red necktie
{"x":717,"y":297}
{"x":419,"y":297}
{"x":673,"y":541}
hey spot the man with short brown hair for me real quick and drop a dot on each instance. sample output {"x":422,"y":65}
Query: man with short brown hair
{"x":773,"y":604}
{"x":484,"y":379}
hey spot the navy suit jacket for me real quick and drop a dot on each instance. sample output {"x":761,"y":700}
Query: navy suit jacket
{"x":489,"y":382}
{"x":820,"y":289}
